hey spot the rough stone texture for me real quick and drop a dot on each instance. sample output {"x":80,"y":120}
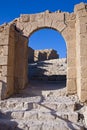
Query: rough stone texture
{"x":51,"y":110}
{"x":47,"y":54}
{"x":72,"y":26}
{"x":44,"y":70}
{"x":30,"y":55}
{"x":81,"y":43}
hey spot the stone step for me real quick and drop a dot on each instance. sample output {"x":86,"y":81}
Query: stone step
{"x":39,"y":125}
{"x":41,"y":105}
{"x":36,"y":114}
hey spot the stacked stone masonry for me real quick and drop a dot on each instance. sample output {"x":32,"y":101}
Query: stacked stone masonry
{"x":14,"y":39}
{"x":41,"y":55}
{"x":47,"y":54}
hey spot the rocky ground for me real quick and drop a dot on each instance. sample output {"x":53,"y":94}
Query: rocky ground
{"x":43,"y":105}
{"x":54,"y":69}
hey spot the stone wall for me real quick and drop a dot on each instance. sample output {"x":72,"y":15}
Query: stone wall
{"x":6,"y":61}
{"x":81,"y":43}
{"x":20,"y":61}
{"x":47,"y":54}
{"x":30,"y":55}
{"x":73,"y":28}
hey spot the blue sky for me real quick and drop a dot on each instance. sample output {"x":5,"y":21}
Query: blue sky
{"x":11,"y":9}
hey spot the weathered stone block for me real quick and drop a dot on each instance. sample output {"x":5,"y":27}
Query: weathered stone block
{"x":60,"y":26}
{"x":79,"y":7}
{"x":3,"y":60}
{"x":71,"y":86}
{"x":71,"y":72}
{"x":32,"y":18}
{"x":83,"y":95}
{"x":17,"y":115}
{"x":4,"y":70}
{"x":71,"y":62}
{"x":25,"y":18}
{"x":5,"y":50}
{"x":70,"y":17}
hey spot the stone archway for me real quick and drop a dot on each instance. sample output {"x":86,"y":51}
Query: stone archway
{"x":18,"y":32}
{"x":64,"y":23}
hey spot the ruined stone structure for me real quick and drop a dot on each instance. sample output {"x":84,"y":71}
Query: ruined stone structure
{"x":13,"y":49}
{"x":41,"y":55}
{"x":47,"y":54}
{"x":30,"y":55}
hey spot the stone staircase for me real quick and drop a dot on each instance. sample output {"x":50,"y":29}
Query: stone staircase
{"x":52,"y":110}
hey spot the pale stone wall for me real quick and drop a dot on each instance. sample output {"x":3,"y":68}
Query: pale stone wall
{"x":65,"y":24}
{"x":14,"y":37}
{"x":47,"y":54}
{"x":6,"y":61}
{"x":21,"y":61}
{"x":81,"y":42}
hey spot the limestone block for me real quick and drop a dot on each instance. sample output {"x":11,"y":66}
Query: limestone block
{"x":25,"y":18}
{"x":82,"y":28}
{"x":57,"y":16}
{"x":73,"y":117}
{"x":71,"y":24}
{"x":3,"y":79}
{"x":47,"y":20}
{"x":33,"y":26}
{"x":83,"y":71}
{"x":1,"y":28}
{"x":83,"y":61}
{"x":39,"y":17}
{"x":3,"y":86}
{"x":36,"y":127}
{"x":71,"y":86}
{"x":1,"y":50}
{"x":20,"y":25}
{"x":83,"y":95}
{"x":71,"y":62}
{"x":70,"y":17}
{"x":69,"y":36}
{"x":81,"y":13}
{"x":60,"y":26}
{"x":32,"y":18}
{"x":7,"y":71}
{"x":82,"y":20}
{"x":83,"y":84}
{"x":11,"y":53}
{"x":30,"y":115}
{"x":4,"y":70}
{"x":50,"y":127}
{"x":4,"y":41}
{"x":17,"y":115}
{"x":5,"y":50}
{"x":27,"y":28}
{"x":10,"y":71}
{"x":71,"y":72}
{"x":8,"y":87}
{"x":0,"y":68}
{"x":42,"y":116}
{"x":79,"y":7}
{"x":3,"y":60}
{"x":85,"y":115}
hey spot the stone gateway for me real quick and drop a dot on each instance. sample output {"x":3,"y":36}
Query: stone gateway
{"x":14,"y":49}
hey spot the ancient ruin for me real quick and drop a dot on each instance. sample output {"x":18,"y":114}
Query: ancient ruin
{"x":14,"y":49}
{"x":41,"y":55}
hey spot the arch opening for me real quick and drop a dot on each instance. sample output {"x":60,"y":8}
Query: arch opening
{"x":47,"y":61}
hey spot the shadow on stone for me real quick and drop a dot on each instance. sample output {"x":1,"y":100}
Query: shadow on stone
{"x":6,"y":123}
